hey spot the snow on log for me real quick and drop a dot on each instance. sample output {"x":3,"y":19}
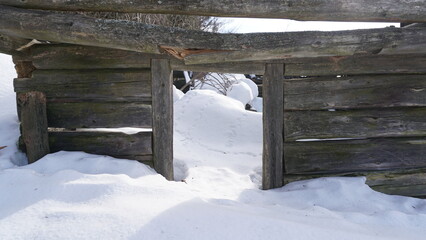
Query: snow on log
{"x":306,"y":10}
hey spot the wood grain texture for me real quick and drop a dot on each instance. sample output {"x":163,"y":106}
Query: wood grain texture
{"x":99,"y":115}
{"x":9,"y":45}
{"x":33,"y":118}
{"x":62,"y":56}
{"x":136,"y":146}
{"x":354,"y":155}
{"x":78,"y":29}
{"x":306,"y":10}
{"x":162,"y":116}
{"x":406,"y":182}
{"x":273,"y":126}
{"x":385,"y":122}
{"x":346,"y":92}
{"x":119,"y":85}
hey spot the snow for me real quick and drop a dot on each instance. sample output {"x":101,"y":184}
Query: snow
{"x":75,"y":195}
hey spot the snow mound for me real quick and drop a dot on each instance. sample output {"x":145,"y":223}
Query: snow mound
{"x":241,"y":92}
{"x":88,"y":164}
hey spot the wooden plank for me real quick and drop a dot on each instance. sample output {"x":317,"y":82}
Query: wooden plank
{"x":34,"y":124}
{"x":406,"y":182}
{"x":162,"y":116}
{"x":131,"y":85}
{"x":273,"y":105}
{"x":98,"y":115}
{"x":390,"y":122}
{"x":135,"y":146}
{"x":9,"y":45}
{"x":63,"y":56}
{"x":322,"y":10}
{"x":206,"y":47}
{"x":355,"y":92}
{"x":354,"y":155}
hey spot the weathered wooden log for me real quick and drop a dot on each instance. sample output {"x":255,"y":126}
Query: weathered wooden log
{"x":386,"y":122}
{"x":34,"y":124}
{"x":354,"y":155}
{"x":135,"y":146}
{"x":106,"y":85}
{"x":83,"y":57}
{"x":9,"y":45}
{"x":365,"y":91}
{"x":162,"y":116}
{"x":273,"y":46}
{"x":76,"y":29}
{"x":323,"y":10}
{"x":273,"y":106}
{"x":406,"y":182}
{"x":99,"y":115}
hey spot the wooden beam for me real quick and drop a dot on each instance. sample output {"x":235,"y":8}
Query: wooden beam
{"x":275,"y":46}
{"x":82,"y":30}
{"x":9,"y":45}
{"x":307,"y":10}
{"x":34,"y":124}
{"x":328,"y":157}
{"x":84,"y":114}
{"x":120,"y":145}
{"x":162,"y":116}
{"x":351,"y":92}
{"x":273,"y":105}
{"x":89,"y":85}
{"x":362,"y":123}
{"x":220,"y":48}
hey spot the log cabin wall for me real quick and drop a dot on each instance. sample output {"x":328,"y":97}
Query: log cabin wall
{"x":88,"y":87}
{"x":371,"y":125}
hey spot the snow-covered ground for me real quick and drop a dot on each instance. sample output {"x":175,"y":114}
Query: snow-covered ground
{"x":74,"y":195}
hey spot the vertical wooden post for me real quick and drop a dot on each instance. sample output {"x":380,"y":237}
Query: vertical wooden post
{"x":162,"y":114}
{"x":273,"y":118}
{"x":34,"y":124}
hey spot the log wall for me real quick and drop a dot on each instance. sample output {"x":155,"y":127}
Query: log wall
{"x":82,"y":92}
{"x":358,"y":125}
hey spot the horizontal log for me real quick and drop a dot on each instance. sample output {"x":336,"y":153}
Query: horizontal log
{"x":83,"y":57}
{"x":132,"y":85}
{"x":329,"y":157}
{"x":323,"y":10}
{"x":406,"y":182}
{"x":136,"y":146}
{"x":388,"y":122}
{"x":355,"y":92}
{"x":273,"y":46}
{"x":99,"y":115}
{"x":9,"y":45}
{"x":206,"y":47}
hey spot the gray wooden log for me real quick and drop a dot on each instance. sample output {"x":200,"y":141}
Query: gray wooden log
{"x":99,"y":115}
{"x":385,"y":122}
{"x":162,"y":116}
{"x":9,"y":45}
{"x":77,"y":29}
{"x":34,"y":124}
{"x":406,"y":182}
{"x":273,"y":105}
{"x":84,"y":57}
{"x":349,"y":92}
{"x":107,"y":85}
{"x":273,"y":46}
{"x":135,"y":146}
{"x":329,"y":157}
{"x":323,"y":10}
